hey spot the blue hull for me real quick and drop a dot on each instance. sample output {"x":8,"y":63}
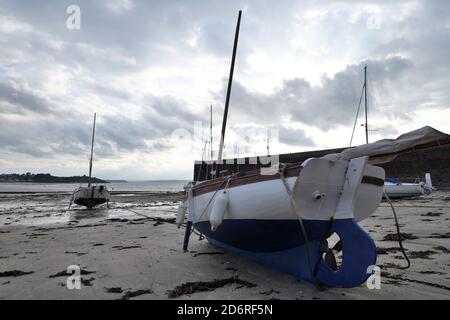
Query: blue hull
{"x":279,"y":244}
{"x":265,"y":235}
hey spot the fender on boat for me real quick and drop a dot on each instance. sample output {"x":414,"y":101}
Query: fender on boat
{"x":182,"y":208}
{"x":218,"y":210}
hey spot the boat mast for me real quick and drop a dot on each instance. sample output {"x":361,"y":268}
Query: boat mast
{"x":365,"y":103}
{"x":92,"y":151}
{"x":210,"y":135}
{"x":227,"y":101}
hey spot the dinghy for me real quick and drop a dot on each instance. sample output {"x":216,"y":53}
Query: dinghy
{"x":90,"y":196}
{"x":397,"y":189}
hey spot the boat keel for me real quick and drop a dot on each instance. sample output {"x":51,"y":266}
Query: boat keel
{"x":359,"y":253}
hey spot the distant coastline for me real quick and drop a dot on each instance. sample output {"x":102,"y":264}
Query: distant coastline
{"x":47,"y":178}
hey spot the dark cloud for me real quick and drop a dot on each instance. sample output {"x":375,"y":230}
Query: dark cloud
{"x":170,"y":109}
{"x":115,"y":133}
{"x":159,"y":118}
{"x":249,"y":135}
{"x":20,"y":99}
{"x":41,"y":138}
{"x":332,"y":103}
{"x":295,"y":137}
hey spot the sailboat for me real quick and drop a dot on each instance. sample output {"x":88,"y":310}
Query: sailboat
{"x":394,"y":188}
{"x":91,"y":195}
{"x":284,"y":219}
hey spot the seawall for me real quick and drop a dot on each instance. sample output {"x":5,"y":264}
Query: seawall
{"x":407,"y":166}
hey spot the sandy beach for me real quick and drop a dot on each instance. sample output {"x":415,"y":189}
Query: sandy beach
{"x":124,"y":255}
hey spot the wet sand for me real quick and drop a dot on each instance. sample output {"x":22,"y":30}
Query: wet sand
{"x":37,"y":208}
{"x":128,"y":256}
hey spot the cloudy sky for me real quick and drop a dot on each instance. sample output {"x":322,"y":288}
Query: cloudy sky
{"x":151,"y":69}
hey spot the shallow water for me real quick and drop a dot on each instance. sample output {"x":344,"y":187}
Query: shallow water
{"x":154,"y":185}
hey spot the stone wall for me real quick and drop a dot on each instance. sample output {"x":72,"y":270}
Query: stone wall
{"x":409,"y":165}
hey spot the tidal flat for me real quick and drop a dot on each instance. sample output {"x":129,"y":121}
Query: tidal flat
{"x":133,"y":250}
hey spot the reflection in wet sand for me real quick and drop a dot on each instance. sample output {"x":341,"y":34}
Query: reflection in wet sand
{"x":88,"y":214}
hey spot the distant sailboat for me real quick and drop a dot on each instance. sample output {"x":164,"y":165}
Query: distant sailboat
{"x":398,"y":189}
{"x":393,"y":188}
{"x":90,"y":196}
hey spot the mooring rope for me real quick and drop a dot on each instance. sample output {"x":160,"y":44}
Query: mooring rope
{"x":139,"y":214}
{"x":303,"y":229}
{"x":357,"y":114}
{"x":399,"y":235}
{"x":143,"y":215}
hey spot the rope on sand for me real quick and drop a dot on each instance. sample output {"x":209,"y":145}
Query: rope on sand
{"x":399,"y":235}
{"x":139,"y":214}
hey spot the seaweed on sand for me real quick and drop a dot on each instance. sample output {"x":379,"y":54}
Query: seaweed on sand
{"x":401,"y":279}
{"x":126,"y":247}
{"x":381,"y":250}
{"x":14,"y":273}
{"x":87,"y":282}
{"x":196,"y":254}
{"x":442,"y":248}
{"x":65,"y":274}
{"x":200,"y":286}
{"x":269,"y":292}
{"x":394,"y":237}
{"x":421,"y":254}
{"x":131,"y":294}
{"x":159,"y":221}
{"x":432,"y":214}
{"x":440,"y":235}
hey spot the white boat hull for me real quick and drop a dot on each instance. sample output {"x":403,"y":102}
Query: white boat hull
{"x":399,"y":189}
{"x":257,"y":219}
{"x":90,"y":196}
{"x":404,"y":190}
{"x":260,"y":217}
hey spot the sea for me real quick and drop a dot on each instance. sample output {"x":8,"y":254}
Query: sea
{"x":150,"y":185}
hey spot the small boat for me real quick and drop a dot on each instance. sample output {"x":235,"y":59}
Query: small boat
{"x":90,"y":196}
{"x":284,"y":220}
{"x":395,"y":188}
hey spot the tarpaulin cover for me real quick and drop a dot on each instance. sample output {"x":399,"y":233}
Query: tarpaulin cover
{"x":387,"y":149}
